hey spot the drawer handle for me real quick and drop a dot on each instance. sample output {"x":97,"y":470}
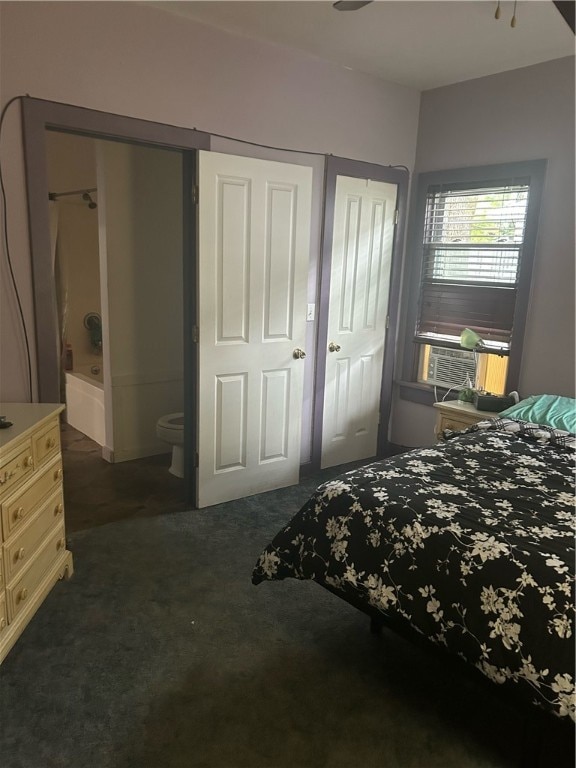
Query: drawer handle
{"x":58,"y":474}
{"x":19,"y":513}
{"x":2,"y":623}
{"x":51,"y":442}
{"x":23,"y":594}
{"x":61,"y":543}
{"x":20,"y":554}
{"x":7,"y":476}
{"x":28,"y":462}
{"x":58,"y":509}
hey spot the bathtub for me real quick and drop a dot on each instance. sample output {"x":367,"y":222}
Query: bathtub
{"x":85,"y":402}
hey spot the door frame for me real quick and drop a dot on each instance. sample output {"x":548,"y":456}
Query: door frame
{"x":399,"y":175}
{"x":39,"y":115}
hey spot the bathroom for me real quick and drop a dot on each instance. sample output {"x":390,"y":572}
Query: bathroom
{"x":116,"y":231}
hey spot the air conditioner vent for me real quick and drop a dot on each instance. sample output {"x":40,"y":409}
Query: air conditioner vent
{"x":450,"y":367}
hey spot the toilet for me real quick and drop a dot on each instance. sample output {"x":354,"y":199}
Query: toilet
{"x":170,"y":428}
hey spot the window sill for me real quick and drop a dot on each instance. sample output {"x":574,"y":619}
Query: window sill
{"x":422,"y":393}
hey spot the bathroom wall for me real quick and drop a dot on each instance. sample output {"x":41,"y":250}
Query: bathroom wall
{"x":72,"y":165}
{"x":140,"y":202}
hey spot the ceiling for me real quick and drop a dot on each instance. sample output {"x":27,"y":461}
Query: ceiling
{"x":422,"y":45}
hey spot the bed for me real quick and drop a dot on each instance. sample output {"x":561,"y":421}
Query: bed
{"x":469,"y":544}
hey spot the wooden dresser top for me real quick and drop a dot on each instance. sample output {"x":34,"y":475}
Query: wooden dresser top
{"x":25,"y":417}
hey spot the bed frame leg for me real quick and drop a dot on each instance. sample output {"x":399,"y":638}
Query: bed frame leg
{"x":531,"y":744}
{"x":376,"y":625}
{"x":547,"y":741}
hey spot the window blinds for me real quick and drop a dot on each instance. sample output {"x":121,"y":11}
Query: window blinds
{"x":472,"y":249}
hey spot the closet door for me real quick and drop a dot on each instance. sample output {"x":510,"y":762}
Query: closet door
{"x":254,"y":240}
{"x":363,"y":235}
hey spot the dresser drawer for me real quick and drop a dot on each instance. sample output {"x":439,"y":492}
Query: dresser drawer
{"x":21,"y":591}
{"x":2,"y":582}
{"x":3,"y":614}
{"x":455,"y":424}
{"x":15,"y":467}
{"x":19,"y":507}
{"x":24,"y":544}
{"x":47,"y":444}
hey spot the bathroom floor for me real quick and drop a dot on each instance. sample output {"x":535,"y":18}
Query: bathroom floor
{"x":96,"y":492}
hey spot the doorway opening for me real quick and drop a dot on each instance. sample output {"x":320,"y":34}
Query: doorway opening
{"x":39,"y":117}
{"x":116,"y":237}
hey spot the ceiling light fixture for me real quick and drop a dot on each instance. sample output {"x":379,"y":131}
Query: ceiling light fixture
{"x":513,"y":20}
{"x":350,"y":5}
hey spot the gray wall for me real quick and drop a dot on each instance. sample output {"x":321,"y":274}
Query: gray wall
{"x":525,"y":114}
{"x":139,"y":61}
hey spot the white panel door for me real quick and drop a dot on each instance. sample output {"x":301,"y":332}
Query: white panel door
{"x":254,"y":243}
{"x":364,"y":216}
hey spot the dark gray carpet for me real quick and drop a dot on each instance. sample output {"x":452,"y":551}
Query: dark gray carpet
{"x":159,"y":653}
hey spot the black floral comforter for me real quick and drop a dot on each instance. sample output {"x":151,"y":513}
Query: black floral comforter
{"x":471,"y":542}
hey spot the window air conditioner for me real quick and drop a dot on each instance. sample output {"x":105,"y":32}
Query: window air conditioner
{"x":450,"y":367}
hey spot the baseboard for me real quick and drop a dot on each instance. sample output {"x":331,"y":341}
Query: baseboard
{"x":392,"y":449}
{"x":138,"y":452}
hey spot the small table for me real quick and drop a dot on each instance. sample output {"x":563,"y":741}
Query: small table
{"x":456,"y":415}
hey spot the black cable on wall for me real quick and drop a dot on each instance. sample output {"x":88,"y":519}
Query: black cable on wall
{"x":8,"y":256}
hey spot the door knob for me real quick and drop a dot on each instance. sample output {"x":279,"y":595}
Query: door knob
{"x":298,"y":354}
{"x":334,"y":347}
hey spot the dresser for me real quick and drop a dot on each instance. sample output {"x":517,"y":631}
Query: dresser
{"x":33,"y":554}
{"x":455,"y":415}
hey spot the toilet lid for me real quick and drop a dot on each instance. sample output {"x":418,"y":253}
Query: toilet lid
{"x":172,"y":421}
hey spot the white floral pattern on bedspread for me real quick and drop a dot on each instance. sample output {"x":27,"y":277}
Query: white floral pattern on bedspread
{"x":470,"y":541}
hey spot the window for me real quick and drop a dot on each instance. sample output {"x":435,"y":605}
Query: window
{"x":473,"y":236}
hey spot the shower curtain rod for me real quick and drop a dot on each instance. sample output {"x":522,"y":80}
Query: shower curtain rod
{"x":55,"y":195}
